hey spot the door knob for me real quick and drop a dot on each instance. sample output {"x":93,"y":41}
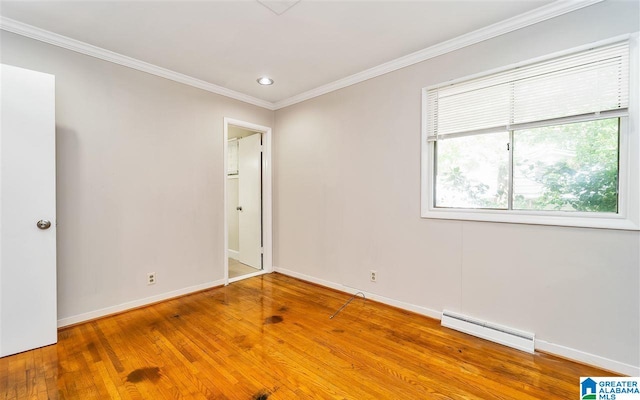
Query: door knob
{"x":239,"y":208}
{"x":43,"y":224}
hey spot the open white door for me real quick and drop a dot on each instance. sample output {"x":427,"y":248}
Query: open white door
{"x":250,"y":201}
{"x":28,"y":314}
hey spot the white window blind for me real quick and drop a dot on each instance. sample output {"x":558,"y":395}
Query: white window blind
{"x":587,"y":84}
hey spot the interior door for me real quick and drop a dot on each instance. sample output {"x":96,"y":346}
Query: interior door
{"x":27,"y":211}
{"x":250,"y":201}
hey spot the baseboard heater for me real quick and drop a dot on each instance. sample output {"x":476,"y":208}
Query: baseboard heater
{"x":496,"y":333}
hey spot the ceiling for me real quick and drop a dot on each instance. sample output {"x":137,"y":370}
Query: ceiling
{"x":231,"y":43}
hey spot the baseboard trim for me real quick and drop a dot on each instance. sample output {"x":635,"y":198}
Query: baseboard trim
{"x":130,"y":305}
{"x":427,"y":312}
{"x":540,"y":345}
{"x":233,"y":254}
{"x":586,"y":358}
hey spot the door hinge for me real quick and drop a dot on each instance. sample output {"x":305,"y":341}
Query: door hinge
{"x":261,"y":250}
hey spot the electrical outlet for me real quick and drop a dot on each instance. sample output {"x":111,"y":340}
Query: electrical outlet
{"x":151,"y":278}
{"x":373,"y":276}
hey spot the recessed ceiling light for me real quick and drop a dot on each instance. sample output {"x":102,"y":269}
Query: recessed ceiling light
{"x":265,"y":80}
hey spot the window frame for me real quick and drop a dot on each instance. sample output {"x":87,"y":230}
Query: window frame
{"x":628,"y":216}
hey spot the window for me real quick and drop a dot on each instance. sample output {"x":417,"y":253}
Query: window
{"x":544,"y":143}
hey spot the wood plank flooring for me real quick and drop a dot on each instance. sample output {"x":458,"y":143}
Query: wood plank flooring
{"x":270,"y":337}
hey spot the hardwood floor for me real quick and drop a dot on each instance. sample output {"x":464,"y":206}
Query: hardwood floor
{"x":271,"y":337}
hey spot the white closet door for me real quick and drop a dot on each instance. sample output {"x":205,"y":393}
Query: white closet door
{"x":27,"y":206}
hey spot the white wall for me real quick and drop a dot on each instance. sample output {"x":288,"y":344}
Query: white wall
{"x":140,"y":180}
{"x":347,"y":200}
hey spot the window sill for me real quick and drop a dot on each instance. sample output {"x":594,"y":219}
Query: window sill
{"x":535,"y":218}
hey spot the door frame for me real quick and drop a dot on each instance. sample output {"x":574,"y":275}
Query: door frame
{"x":267,"y":212}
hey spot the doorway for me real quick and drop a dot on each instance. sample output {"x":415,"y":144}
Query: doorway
{"x":247,"y":200}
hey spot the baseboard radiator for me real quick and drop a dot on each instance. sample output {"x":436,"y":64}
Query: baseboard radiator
{"x":517,"y":339}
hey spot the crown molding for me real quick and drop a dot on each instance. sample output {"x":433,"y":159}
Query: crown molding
{"x":55,"y":39}
{"x":535,"y":16}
